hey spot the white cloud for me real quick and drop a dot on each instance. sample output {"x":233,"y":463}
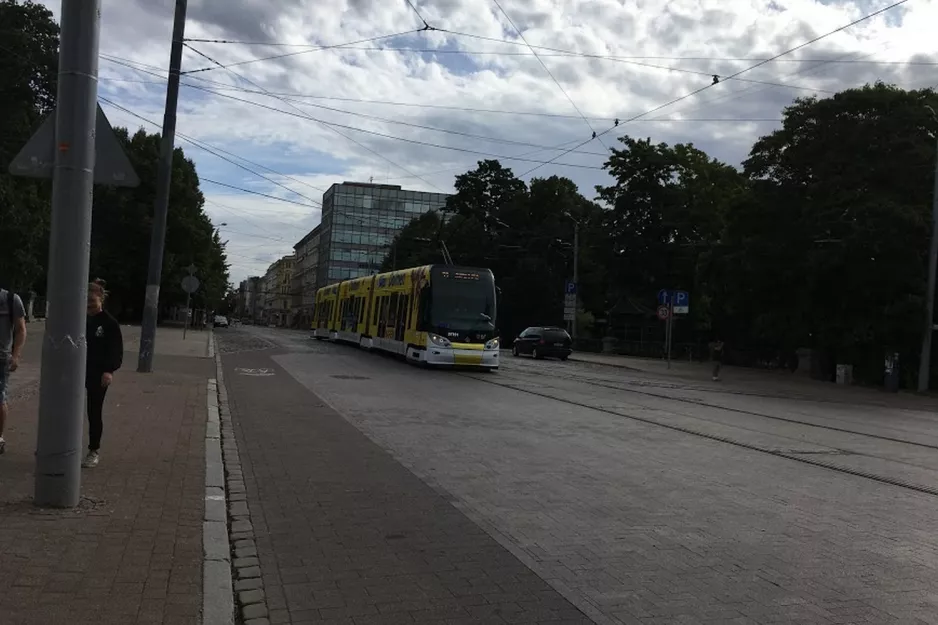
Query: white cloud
{"x":260,"y":229}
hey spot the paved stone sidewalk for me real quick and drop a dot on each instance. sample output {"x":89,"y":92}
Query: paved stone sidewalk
{"x":346,"y":534}
{"x":745,"y":381}
{"x":131,"y":553}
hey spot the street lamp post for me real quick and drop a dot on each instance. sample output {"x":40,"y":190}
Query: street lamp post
{"x":576,"y":271}
{"x":924,"y":369}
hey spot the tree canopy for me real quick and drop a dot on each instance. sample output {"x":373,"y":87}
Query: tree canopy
{"x":122,"y":218}
{"x":818,"y":241}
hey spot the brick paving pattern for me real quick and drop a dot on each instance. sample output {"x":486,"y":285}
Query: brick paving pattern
{"x":345,"y":534}
{"x":131,"y":553}
{"x":646,"y":524}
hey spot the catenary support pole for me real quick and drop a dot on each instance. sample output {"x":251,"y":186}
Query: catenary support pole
{"x":924,"y":369}
{"x":161,"y":206}
{"x":61,"y":387}
{"x":576,"y":275}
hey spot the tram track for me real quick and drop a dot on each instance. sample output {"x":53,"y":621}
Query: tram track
{"x":803,"y":458}
{"x":705,"y":404}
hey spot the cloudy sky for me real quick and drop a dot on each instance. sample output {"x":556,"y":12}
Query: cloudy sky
{"x":415,"y":108}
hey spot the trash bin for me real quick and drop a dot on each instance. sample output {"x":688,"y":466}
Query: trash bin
{"x":845,"y":374}
{"x":891,"y":373}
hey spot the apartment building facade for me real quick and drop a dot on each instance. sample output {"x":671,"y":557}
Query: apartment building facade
{"x":278,"y":291}
{"x":359,"y":223}
{"x":305,"y":270}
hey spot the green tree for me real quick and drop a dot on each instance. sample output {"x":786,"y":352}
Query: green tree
{"x":29,"y":41}
{"x":524,"y":236}
{"x":844,"y":211}
{"x":665,"y":214}
{"x":121,"y":233}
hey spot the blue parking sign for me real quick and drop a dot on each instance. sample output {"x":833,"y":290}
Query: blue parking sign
{"x":679,"y":300}
{"x":569,"y":288}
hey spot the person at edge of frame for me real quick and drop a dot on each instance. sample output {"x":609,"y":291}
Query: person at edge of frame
{"x":105,"y":356}
{"x":12,"y":340}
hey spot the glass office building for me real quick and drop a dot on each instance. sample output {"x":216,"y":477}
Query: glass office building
{"x":359,"y":223}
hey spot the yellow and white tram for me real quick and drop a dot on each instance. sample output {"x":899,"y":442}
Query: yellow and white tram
{"x":437,"y":315}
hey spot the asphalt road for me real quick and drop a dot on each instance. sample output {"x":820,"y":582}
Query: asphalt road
{"x":644,"y":499}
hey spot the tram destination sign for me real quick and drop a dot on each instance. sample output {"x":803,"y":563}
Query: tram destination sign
{"x":461,"y":275}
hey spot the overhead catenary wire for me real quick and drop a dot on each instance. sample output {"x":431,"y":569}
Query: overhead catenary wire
{"x":558,"y":52}
{"x":258,"y":193}
{"x":211,"y":150}
{"x":572,"y":53}
{"x":549,"y":73}
{"x":303,"y":115}
{"x":297,"y":53}
{"x":426,"y":26}
{"x":332,"y":125}
{"x":321,"y":122}
{"x":755,"y":89}
{"x":246,"y":216}
{"x":742,"y":71}
{"x":227,"y":87}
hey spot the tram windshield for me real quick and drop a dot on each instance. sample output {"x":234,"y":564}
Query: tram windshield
{"x":463,"y":300}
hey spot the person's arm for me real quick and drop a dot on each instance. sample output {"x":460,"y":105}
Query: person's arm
{"x":19,"y":330}
{"x":115,"y":351}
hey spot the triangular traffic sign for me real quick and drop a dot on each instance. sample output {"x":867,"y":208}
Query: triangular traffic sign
{"x":111,"y":165}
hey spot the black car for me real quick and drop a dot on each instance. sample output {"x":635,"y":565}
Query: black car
{"x":541,"y":342}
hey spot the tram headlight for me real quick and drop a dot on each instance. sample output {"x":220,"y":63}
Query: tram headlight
{"x":492,"y":344}
{"x":439,"y":341}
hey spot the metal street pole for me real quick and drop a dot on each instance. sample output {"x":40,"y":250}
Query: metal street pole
{"x":576,"y":274}
{"x":185,"y":323}
{"x":669,"y":334}
{"x":924,"y":369}
{"x":61,"y":386}
{"x":161,"y":206}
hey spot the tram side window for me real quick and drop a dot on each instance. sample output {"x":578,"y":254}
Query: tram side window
{"x":377,"y":306}
{"x":361,"y":309}
{"x":410,"y":312}
{"x":423,"y":309}
{"x":383,"y":314}
{"x":402,"y":318}
{"x":392,"y":309}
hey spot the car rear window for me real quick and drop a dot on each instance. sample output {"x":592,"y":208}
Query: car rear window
{"x":556,"y":335}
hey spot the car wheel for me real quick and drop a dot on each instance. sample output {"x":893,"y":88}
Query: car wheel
{"x":514,"y":351}
{"x":564,"y":357}
{"x":536,"y":354}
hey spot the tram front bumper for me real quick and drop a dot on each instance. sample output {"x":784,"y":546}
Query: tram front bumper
{"x":458,"y":357}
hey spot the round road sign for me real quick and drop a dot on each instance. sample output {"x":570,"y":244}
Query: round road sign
{"x":190,"y":284}
{"x":663,"y":312}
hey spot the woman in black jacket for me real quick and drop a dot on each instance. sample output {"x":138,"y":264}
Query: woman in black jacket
{"x":105,"y":355}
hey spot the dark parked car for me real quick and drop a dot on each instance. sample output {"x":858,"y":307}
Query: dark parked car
{"x":541,"y":342}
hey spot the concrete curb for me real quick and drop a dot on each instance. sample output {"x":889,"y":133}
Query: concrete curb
{"x":217,"y":599}
{"x":211,"y":343}
{"x":243,"y":565}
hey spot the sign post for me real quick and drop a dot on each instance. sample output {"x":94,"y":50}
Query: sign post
{"x":190,"y":284}
{"x":569,"y":303}
{"x":671,"y":303}
{"x":669,"y":331}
